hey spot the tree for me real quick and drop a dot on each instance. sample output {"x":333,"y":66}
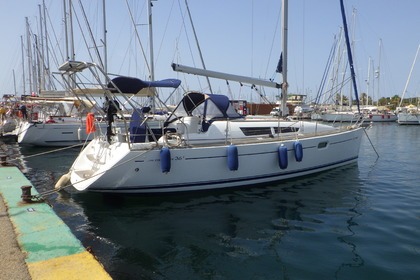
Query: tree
{"x":341,"y":100}
{"x":384,"y":101}
{"x":395,"y":101}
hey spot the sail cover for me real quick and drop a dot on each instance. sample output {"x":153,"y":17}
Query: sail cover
{"x":134,"y":85}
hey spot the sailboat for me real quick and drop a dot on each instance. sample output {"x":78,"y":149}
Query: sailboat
{"x":59,"y":118}
{"x":376,"y":113}
{"x":58,"y":121}
{"x":411,"y":113}
{"x":204,"y":143}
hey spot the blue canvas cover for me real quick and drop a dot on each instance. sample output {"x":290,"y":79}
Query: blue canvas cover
{"x":137,"y":127}
{"x":209,"y":106}
{"x":134,"y":85}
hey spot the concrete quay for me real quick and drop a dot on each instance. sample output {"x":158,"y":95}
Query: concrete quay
{"x":35,"y":242}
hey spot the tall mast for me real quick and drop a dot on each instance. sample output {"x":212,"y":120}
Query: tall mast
{"x":71,"y":30}
{"x":47,"y":55}
{"x":198,"y":45}
{"x":409,"y":76}
{"x":368,"y":80}
{"x":152,"y":63}
{"x":23,"y":65}
{"x":105,"y":42}
{"x":29,"y":53}
{"x":378,"y":71}
{"x":37,"y":66}
{"x":284,"y":60}
{"x":41,"y":54}
{"x":66,"y":36}
{"x":349,"y":54}
{"x":68,"y":30}
{"x":14,"y":82}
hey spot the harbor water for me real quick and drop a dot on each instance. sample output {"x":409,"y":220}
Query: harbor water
{"x":361,"y":221}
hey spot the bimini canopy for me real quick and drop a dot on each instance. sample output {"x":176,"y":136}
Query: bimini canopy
{"x":130,"y":85}
{"x":209,"y":106}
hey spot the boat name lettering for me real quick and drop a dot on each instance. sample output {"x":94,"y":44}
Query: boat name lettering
{"x":178,"y":158}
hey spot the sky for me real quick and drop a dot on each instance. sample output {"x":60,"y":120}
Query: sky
{"x":235,"y":37}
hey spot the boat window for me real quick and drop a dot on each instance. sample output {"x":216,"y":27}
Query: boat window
{"x":322,"y":145}
{"x":285,"y":129}
{"x":253,"y":131}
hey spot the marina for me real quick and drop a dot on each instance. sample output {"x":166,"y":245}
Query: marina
{"x":123,"y":157}
{"x":359,"y":221}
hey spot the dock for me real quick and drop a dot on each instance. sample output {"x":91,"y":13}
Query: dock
{"x":35,"y":241}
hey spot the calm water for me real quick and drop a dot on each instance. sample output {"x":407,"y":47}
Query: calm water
{"x":358,"y":222}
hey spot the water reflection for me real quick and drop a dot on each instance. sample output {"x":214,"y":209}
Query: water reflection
{"x":232,"y":233}
{"x":346,"y":223}
{"x":217,"y":234}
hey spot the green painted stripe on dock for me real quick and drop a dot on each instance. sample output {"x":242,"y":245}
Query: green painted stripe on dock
{"x":40,"y":232}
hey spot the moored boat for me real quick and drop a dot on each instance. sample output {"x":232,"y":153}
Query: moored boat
{"x":204,"y":143}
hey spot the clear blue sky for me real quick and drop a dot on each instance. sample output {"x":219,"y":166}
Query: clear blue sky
{"x":238,"y":37}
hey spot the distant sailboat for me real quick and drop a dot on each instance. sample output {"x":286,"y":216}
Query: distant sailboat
{"x":411,"y":113}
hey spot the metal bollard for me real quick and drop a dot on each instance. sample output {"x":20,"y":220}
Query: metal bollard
{"x":26,"y":193}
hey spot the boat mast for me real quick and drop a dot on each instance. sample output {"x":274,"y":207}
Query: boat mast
{"x":37,"y":66}
{"x":68,"y":30}
{"x":105,"y":42}
{"x":378,"y":72}
{"x":66,"y":37}
{"x":368,"y":80}
{"x":14,"y":82}
{"x":73,"y":55}
{"x":284,"y":61}
{"x":409,"y":76}
{"x":23,"y":64}
{"x":198,"y":45}
{"x":349,"y":54}
{"x":47,"y":55}
{"x":29,"y":53}
{"x":152,"y":63}
{"x":41,"y":53}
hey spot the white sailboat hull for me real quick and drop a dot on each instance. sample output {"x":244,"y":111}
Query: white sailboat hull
{"x":409,"y":118}
{"x":115,"y":168}
{"x":340,"y":117}
{"x":382,"y":117}
{"x":55,"y":134}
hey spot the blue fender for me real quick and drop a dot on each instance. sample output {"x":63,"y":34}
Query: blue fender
{"x":232,"y":157}
{"x":165,"y":160}
{"x":282,"y":153}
